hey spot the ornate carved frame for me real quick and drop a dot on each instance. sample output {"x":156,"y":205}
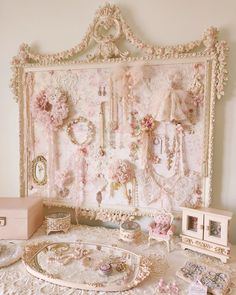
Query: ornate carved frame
{"x":208,"y":48}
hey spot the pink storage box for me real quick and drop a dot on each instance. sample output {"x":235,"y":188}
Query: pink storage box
{"x":20,"y":217}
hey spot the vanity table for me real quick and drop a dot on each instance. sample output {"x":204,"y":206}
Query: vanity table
{"x":16,"y":280}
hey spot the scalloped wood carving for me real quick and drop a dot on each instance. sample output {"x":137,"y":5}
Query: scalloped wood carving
{"x":106,"y":29}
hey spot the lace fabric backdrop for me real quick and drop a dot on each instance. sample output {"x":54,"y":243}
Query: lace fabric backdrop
{"x":118,"y":136}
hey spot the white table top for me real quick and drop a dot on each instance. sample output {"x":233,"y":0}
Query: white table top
{"x":16,"y":280}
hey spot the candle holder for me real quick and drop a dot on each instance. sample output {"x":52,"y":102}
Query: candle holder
{"x":130,"y":231}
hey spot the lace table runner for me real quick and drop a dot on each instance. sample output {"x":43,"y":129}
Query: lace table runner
{"x":15,"y":280}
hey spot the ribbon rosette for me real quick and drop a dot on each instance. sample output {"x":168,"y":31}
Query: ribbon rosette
{"x":148,"y":124}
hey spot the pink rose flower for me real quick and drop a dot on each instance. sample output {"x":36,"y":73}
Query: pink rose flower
{"x":148,"y":123}
{"x":122,"y":172}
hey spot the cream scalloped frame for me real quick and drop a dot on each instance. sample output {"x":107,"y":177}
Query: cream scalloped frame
{"x":208,"y":49}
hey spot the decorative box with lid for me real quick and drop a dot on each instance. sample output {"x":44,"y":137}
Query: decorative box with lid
{"x":20,"y":217}
{"x":206,"y":230}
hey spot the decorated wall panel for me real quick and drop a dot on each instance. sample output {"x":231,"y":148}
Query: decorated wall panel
{"x":118,"y":134}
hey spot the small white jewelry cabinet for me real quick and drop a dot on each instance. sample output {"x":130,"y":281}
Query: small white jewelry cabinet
{"x":205,"y":230}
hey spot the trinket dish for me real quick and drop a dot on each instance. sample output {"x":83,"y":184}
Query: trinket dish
{"x":130,"y":231}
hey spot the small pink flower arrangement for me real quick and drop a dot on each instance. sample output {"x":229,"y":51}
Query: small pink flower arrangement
{"x":122,"y":172}
{"x":148,"y":124}
{"x":50,"y":107}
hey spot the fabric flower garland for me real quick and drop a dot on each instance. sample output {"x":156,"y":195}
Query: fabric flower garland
{"x":147,"y":126}
{"x":122,"y":173}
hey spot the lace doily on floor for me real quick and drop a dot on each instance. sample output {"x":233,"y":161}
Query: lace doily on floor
{"x":15,"y":280}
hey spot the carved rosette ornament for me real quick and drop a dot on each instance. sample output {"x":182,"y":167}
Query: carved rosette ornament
{"x":106,"y":20}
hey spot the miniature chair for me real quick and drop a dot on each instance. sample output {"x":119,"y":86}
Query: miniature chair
{"x":161,"y":229}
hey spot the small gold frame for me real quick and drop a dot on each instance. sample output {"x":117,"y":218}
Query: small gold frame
{"x":35,"y":165}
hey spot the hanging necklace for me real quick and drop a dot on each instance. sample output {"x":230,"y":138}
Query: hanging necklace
{"x":90,"y":134}
{"x":170,"y":151}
